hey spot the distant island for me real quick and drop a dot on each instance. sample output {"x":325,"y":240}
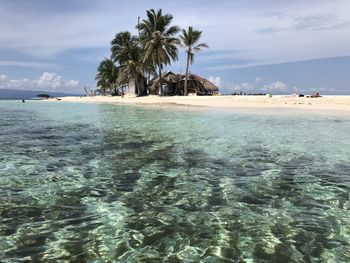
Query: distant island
{"x":43,"y":96}
{"x":136,"y":69}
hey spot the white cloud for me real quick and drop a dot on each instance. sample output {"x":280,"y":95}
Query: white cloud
{"x":47,"y":81}
{"x":256,"y":86}
{"x":322,"y":89}
{"x":72,"y":83}
{"x":278,"y":86}
{"x":245,"y":29}
{"x":215,"y":80}
{"x":245,"y":86}
{"x":62,"y":31}
{"x":50,"y":80}
{"x":230,"y":87}
{"x":248,"y":32}
{"x":3,"y":78}
{"x":296,"y":89}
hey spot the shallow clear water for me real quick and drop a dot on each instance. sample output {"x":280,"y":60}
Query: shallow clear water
{"x":105,"y":183}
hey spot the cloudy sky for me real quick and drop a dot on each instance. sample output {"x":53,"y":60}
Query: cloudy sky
{"x":255,"y":46}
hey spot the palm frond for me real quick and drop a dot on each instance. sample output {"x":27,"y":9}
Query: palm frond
{"x":157,"y":38}
{"x":200,"y":46}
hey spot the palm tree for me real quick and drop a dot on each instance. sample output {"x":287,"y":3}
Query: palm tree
{"x":189,"y":40}
{"x":127,"y":52}
{"x":102,"y":85}
{"x":107,"y":75}
{"x":158,"y":41}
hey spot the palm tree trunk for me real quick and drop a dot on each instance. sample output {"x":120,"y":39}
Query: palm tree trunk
{"x":136,"y":83}
{"x":160,"y":77}
{"x":186,"y":76}
{"x":141,"y":85}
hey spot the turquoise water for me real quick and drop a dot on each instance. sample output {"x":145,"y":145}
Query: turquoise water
{"x":106,"y":183}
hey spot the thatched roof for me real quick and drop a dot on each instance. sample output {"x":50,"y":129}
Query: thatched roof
{"x":196,"y":84}
{"x":167,"y":77}
{"x":206,"y":83}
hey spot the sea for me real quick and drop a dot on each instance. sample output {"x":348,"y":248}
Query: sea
{"x":117,"y":183}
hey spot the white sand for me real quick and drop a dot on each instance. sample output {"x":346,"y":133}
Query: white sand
{"x":334,"y":104}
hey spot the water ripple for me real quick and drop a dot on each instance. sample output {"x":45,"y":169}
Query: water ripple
{"x":124,"y":184}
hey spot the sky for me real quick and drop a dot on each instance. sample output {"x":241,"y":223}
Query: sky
{"x":269,"y":46}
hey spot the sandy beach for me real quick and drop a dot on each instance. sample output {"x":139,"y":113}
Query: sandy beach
{"x":334,"y":104}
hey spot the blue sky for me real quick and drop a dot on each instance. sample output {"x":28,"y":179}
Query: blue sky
{"x":255,"y":46}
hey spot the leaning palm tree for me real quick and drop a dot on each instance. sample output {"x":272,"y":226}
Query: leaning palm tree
{"x":127,"y":53}
{"x":189,"y":40}
{"x":107,"y":75}
{"x":158,"y":40}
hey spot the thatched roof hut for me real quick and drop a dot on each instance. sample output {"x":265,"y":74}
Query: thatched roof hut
{"x":170,"y":83}
{"x":198,"y":85}
{"x":173,"y":84}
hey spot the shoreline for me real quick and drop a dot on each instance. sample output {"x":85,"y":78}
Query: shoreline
{"x":339,"y":105}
